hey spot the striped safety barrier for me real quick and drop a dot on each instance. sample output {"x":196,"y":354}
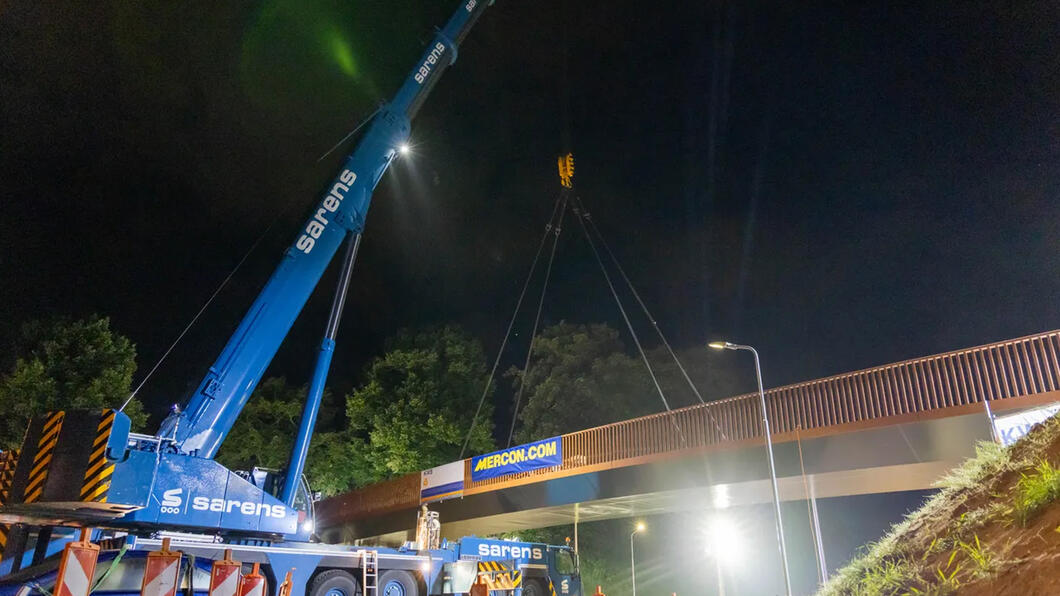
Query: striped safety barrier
{"x":96,"y":482}
{"x":8,"y":463}
{"x":253,"y":583}
{"x":224,"y":576}
{"x":77,"y":567}
{"x":53,"y":423}
{"x":161,"y":572}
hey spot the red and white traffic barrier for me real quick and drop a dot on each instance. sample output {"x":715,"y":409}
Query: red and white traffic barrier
{"x":253,"y":583}
{"x":224,"y":577}
{"x":77,"y":567}
{"x":162,"y":572}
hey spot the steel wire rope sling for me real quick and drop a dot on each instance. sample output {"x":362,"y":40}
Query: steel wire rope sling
{"x":579,"y":212}
{"x":537,"y":318}
{"x":552,"y":226}
{"x":655,"y":324}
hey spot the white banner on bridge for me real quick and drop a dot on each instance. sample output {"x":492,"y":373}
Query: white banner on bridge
{"x":442,"y":482}
{"x":1010,"y":428}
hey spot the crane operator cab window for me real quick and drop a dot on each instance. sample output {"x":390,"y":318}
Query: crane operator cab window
{"x":566,"y":579}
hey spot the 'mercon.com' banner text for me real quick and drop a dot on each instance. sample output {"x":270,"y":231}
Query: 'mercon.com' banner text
{"x":532,"y":456}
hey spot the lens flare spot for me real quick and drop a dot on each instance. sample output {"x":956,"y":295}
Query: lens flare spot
{"x":340,"y":50}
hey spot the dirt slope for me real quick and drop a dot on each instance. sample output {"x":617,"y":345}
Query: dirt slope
{"x":993,"y":530}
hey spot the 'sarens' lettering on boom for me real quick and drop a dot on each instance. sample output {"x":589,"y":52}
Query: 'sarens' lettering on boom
{"x":330,"y":204}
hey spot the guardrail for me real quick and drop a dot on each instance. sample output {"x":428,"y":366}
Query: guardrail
{"x":993,"y":372}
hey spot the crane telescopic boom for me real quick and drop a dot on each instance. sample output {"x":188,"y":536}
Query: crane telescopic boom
{"x":203,"y":424}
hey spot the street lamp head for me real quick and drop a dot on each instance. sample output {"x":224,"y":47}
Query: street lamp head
{"x":724,"y":540}
{"x":721,"y":345}
{"x":640,"y":527}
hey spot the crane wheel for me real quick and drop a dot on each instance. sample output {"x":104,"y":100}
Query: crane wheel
{"x":398,"y":582}
{"x":334,"y":582}
{"x":534,"y":587}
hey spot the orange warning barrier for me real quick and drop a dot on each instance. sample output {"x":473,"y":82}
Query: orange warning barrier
{"x":599,"y":592}
{"x":479,"y":588}
{"x":253,"y":583}
{"x":224,"y":576}
{"x":77,"y":567}
{"x":162,"y":572}
{"x":285,"y":587}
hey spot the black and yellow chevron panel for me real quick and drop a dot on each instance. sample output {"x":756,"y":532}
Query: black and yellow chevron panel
{"x":97,"y":476}
{"x":8,"y":463}
{"x":42,"y":459}
{"x":551,"y":588}
{"x":491,"y":566}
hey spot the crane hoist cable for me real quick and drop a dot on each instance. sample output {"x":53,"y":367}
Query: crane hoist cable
{"x":195,"y":318}
{"x":279,"y":215}
{"x":549,"y":229}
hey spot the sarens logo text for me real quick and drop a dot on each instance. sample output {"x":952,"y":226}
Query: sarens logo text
{"x":510,"y":551}
{"x":173,"y":499}
{"x":329,"y":205}
{"x":533,"y":456}
{"x":429,"y":62}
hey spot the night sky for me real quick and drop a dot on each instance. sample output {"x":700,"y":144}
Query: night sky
{"x":840,"y":186}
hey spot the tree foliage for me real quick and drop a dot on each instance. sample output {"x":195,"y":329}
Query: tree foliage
{"x":67,"y":365}
{"x":416,"y":402}
{"x":264,"y":433}
{"x":580,"y":377}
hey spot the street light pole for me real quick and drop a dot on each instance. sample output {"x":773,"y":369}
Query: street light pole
{"x":769,"y":450}
{"x":632,"y":559}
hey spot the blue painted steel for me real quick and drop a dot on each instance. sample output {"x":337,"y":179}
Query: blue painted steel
{"x":309,"y":420}
{"x":521,"y":458}
{"x":119,"y":437}
{"x":301,"y":565}
{"x":186,"y":492}
{"x":216,"y":403}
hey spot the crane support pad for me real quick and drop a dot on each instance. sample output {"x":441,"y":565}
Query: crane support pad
{"x":65,"y":465}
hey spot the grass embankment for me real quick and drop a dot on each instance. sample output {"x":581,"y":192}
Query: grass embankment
{"x":993,"y":529}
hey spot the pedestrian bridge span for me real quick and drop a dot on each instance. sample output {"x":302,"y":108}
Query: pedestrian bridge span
{"x":889,"y":428}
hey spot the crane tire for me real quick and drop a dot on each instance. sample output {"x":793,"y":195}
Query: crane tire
{"x":398,"y":582}
{"x":334,"y":582}
{"x":534,"y":587}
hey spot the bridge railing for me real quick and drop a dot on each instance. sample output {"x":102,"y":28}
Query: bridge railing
{"x":993,"y":372}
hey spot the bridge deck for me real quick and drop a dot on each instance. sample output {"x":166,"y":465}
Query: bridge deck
{"x":1005,"y":375}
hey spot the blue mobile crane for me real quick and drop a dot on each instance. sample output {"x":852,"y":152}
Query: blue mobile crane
{"x":89,"y":470}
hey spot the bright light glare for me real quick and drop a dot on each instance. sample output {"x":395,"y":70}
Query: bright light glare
{"x":722,"y":498}
{"x":717,"y":345}
{"x":307,"y":525}
{"x":426,"y":566}
{"x":724,"y":540}
{"x":641,"y":527}
{"x":404,"y":149}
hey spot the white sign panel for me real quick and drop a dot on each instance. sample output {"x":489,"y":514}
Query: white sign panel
{"x":1010,"y":428}
{"x":442,"y":482}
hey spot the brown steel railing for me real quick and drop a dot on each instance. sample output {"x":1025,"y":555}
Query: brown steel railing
{"x":995,"y":372}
